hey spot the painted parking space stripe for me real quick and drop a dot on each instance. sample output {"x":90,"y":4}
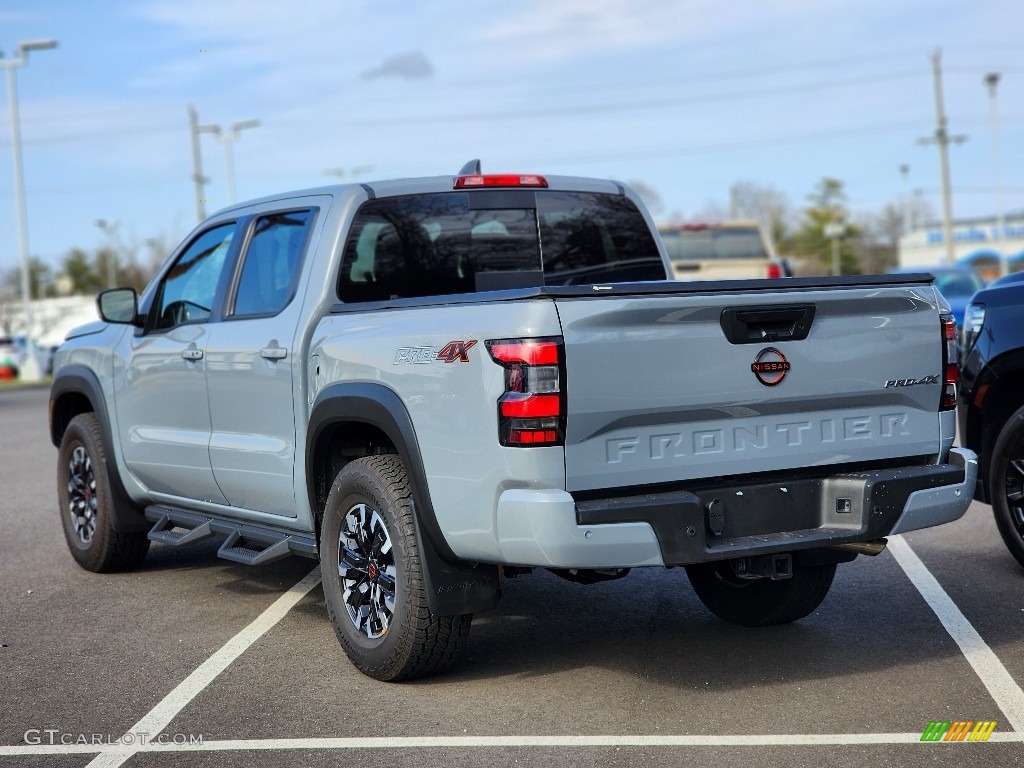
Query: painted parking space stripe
{"x":163,"y":713}
{"x":1001,"y":686}
{"x":997,"y":680}
{"x":531,"y":742}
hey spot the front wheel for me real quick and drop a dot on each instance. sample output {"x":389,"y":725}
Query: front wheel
{"x":87,"y":501}
{"x":373,"y":576}
{"x":760,"y":602}
{"x":1006,"y":484}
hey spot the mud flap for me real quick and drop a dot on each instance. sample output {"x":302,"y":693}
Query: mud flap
{"x":455,"y":588}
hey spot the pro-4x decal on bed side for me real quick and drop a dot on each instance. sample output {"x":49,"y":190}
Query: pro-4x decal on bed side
{"x":453,"y":351}
{"x":456,"y":350}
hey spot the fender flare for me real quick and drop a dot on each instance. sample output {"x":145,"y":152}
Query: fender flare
{"x":453,"y":586}
{"x":126,"y":515}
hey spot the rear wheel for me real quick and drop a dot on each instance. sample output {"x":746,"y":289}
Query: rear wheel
{"x":87,"y":501}
{"x":760,"y":602}
{"x":373,"y":576}
{"x":1006,"y":484}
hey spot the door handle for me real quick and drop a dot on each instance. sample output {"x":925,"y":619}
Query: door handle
{"x":274,"y":353}
{"x":192,"y":354}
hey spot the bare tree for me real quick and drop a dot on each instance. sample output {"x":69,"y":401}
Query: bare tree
{"x":764,"y":204}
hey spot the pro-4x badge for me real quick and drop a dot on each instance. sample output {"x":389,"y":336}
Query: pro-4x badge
{"x":912,"y":382}
{"x":452,"y":352}
{"x":456,"y":350}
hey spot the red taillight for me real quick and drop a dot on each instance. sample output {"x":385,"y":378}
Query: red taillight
{"x":527,"y":352}
{"x":950,"y":364}
{"x":516,"y":406}
{"x":531,"y":412}
{"x":774,"y":270}
{"x":500,"y":180}
{"x":951,"y":379}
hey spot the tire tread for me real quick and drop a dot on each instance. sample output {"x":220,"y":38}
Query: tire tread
{"x":433,"y":642}
{"x":111,"y":551}
{"x":1011,"y":435}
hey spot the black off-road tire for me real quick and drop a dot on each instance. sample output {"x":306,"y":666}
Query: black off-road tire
{"x":1006,"y":484}
{"x":374,"y":585}
{"x":760,"y":602}
{"x":87,"y":500}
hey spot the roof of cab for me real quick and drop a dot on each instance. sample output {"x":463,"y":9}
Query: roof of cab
{"x":420,"y":186}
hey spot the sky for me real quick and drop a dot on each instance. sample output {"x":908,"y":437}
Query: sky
{"x":685,"y":97}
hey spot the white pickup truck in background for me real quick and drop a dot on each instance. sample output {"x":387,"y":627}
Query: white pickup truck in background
{"x":729,"y":250}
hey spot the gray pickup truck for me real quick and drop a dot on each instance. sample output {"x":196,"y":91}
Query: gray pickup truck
{"x":431,"y":384}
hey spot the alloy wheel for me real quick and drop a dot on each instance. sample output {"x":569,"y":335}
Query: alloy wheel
{"x":1015,"y":492}
{"x":82,"y":494}
{"x":366,"y":565}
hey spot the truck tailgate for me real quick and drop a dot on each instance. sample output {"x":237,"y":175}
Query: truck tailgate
{"x":658,"y":393}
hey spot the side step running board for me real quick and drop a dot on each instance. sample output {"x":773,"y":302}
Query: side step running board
{"x":182,"y":528}
{"x":244,"y":548}
{"x":246,"y":544}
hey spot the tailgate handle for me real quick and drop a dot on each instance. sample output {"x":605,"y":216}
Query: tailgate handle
{"x":755,"y":325}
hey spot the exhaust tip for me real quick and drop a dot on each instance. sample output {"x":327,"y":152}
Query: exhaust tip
{"x":872,"y":548}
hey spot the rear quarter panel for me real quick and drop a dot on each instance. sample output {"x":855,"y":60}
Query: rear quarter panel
{"x":453,"y":405}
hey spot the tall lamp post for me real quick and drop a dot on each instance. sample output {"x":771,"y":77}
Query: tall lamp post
{"x":109,"y":229}
{"x":229,"y":136}
{"x":905,"y":194}
{"x":833,"y":231}
{"x":30,"y":367}
{"x":991,"y":81}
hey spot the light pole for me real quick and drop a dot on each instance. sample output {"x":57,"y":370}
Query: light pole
{"x":905,"y":192}
{"x":110,"y":230}
{"x":834,"y":230}
{"x":992,"y":80}
{"x":30,"y":368}
{"x":942,"y":140}
{"x":229,"y":136}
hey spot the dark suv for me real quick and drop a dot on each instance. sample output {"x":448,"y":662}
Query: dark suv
{"x":991,"y":409}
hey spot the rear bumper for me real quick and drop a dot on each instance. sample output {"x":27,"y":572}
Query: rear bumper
{"x":551,"y":529}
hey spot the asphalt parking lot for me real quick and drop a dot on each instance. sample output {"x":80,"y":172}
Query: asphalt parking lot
{"x":238,"y":666}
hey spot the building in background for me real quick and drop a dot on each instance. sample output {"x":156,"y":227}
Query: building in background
{"x":976,"y":243}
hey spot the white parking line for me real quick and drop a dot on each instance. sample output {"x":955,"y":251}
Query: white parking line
{"x":1000,"y":684}
{"x":161,"y":715}
{"x":526,"y":742}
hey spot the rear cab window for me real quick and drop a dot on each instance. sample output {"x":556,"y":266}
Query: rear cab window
{"x":467,"y":241}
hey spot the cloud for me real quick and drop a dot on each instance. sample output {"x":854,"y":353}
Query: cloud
{"x":542,"y":30}
{"x":412,"y":66}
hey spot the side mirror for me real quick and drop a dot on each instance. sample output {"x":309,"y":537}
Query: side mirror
{"x":118,"y":305}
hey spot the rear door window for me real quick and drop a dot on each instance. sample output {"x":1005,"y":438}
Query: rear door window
{"x":270,"y":269}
